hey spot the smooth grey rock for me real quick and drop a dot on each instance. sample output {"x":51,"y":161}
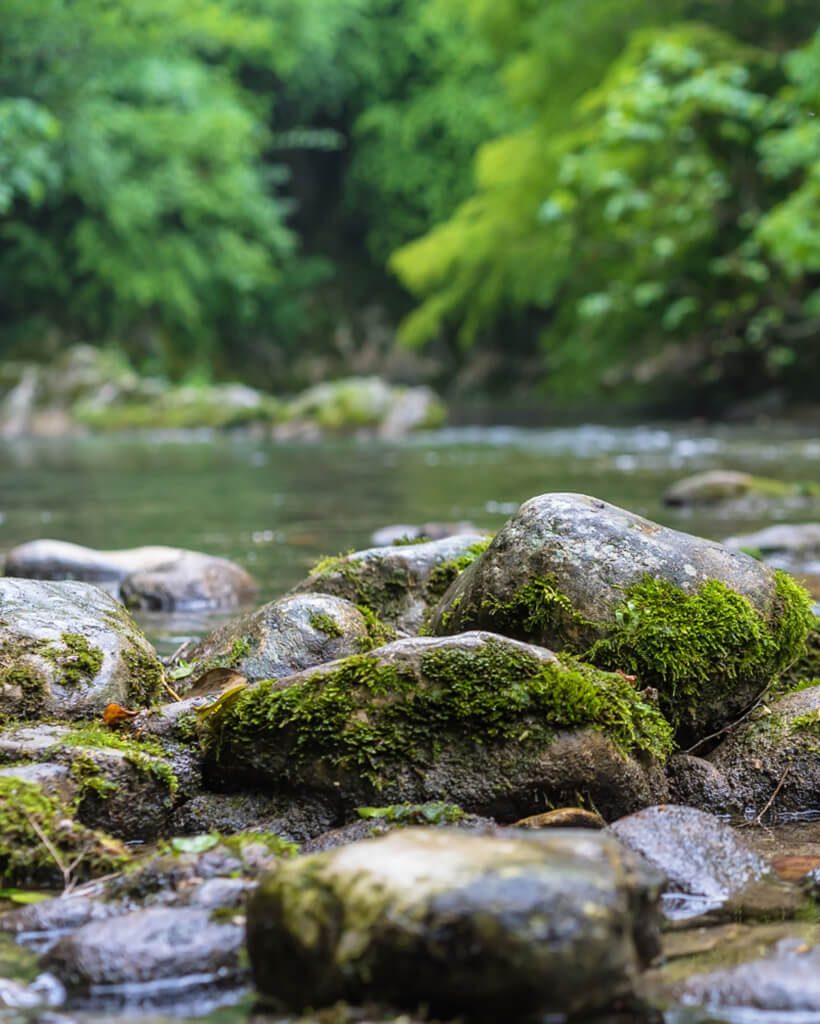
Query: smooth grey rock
{"x":280,"y":638}
{"x":562,"y":573}
{"x":60,"y":560}
{"x":399,"y":583}
{"x":188,"y":581}
{"x":42,"y":922}
{"x":787,"y":981}
{"x":784,"y":538}
{"x":477,"y":720}
{"x":148,"y":946}
{"x":707,"y":865}
{"x":710,"y":487}
{"x":389,"y":535}
{"x":69,"y":649}
{"x":776,"y":749}
{"x":460,"y":923}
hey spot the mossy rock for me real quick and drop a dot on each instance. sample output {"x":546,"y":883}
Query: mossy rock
{"x":775,"y":755}
{"x":28,"y":813}
{"x":398,"y":583}
{"x":280,"y":638}
{"x":67,"y":649}
{"x":498,"y":727}
{"x":717,"y":486}
{"x":126,"y":786}
{"x":807,"y":666}
{"x":709,"y":628}
{"x":491,"y":927}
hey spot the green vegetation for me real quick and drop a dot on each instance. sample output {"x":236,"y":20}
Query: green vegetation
{"x":612,"y":192}
{"x":325,"y":624}
{"x":435,"y":812}
{"x":77,"y":661}
{"x":443,"y":575}
{"x":25,"y":812}
{"x":368,"y":716}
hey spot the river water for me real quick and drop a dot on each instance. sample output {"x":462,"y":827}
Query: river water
{"x":276,"y":508}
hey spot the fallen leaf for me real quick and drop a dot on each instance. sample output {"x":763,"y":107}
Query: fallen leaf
{"x":115,"y":714}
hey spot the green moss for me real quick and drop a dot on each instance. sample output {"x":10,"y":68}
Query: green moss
{"x":330,"y":564}
{"x":537,"y":609}
{"x":77,"y":661}
{"x":695,"y":647}
{"x":159,"y":768}
{"x":86,"y":773}
{"x":377,"y":582}
{"x":273,"y":843}
{"x":325,"y":624}
{"x":146,"y":675}
{"x":30,"y":684}
{"x":445,"y":572}
{"x":378,"y":633}
{"x":240,"y":648}
{"x":367,"y":715}
{"x":95,"y":734}
{"x":435,"y":812}
{"x":26,"y":859}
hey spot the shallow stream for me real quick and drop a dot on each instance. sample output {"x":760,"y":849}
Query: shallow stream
{"x":277,"y":508}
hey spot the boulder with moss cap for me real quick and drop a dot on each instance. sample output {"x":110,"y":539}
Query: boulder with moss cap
{"x":67,"y":649}
{"x":490,"y":927}
{"x":498,"y":727}
{"x":278,"y":639}
{"x":398,"y":583}
{"x":707,"y":627}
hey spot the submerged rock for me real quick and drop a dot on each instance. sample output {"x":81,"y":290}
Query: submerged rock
{"x":495,"y":927}
{"x":397,"y":583}
{"x":723,"y":485}
{"x":69,"y":649}
{"x":188,"y":581}
{"x":280,"y":638}
{"x":787,"y":981}
{"x":708,"y":627}
{"x":498,"y":727}
{"x":707,"y":866}
{"x":179,"y":944}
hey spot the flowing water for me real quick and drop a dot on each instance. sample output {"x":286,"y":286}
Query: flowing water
{"x":276,"y":508}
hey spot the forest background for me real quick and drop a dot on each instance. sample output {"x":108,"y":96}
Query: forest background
{"x":583,"y":199}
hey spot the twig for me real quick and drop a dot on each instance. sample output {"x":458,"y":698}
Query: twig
{"x":167,"y":686}
{"x":67,"y":870}
{"x":726,"y":728}
{"x":758,"y":820}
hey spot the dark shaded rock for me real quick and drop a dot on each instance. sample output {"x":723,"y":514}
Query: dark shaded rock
{"x":114,"y":782}
{"x":69,"y":649}
{"x":397,"y":583}
{"x":188,"y":581}
{"x":707,"y":627}
{"x":707,"y":866}
{"x":497,"y":727}
{"x":493,"y":927}
{"x":774,"y":754}
{"x":148,"y":946}
{"x":297,"y":819}
{"x":696,"y":782}
{"x":786,"y":981}
{"x":280,"y":638}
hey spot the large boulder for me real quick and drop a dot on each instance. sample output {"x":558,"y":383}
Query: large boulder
{"x":708,"y":627}
{"x":398,"y":583}
{"x":68,"y":649}
{"x":280,"y":638}
{"x":463,"y":924}
{"x":498,"y":727}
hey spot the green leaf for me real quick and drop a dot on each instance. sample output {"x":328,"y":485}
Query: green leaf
{"x":194,"y":844}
